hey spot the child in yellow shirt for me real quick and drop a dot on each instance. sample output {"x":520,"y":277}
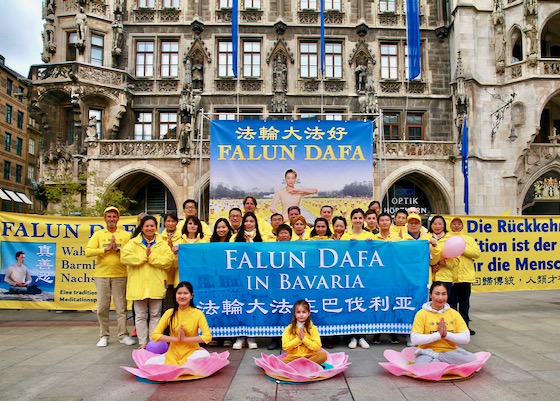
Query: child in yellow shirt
{"x":301,"y":338}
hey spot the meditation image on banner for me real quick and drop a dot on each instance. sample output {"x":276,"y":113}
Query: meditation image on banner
{"x":301,"y":163}
{"x":28,"y":271}
{"x":43,"y":261}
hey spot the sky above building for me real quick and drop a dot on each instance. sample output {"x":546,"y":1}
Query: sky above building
{"x":20,"y":34}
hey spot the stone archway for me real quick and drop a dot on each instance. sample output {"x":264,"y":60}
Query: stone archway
{"x":416,"y":189}
{"x":542,"y":195}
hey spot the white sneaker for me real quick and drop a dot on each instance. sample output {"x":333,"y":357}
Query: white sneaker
{"x":252,"y":344}
{"x":103,"y":341}
{"x":238,"y":344}
{"x":353,"y":343}
{"x":126,"y":340}
{"x":363,"y":343}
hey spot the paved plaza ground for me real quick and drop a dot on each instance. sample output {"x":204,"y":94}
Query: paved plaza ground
{"x":52,"y":356}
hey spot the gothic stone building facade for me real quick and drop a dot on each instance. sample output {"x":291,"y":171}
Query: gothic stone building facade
{"x":128,"y":88}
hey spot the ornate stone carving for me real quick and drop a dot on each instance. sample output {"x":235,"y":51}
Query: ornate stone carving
{"x":49,"y":41}
{"x":309,"y":86}
{"x":169,"y":15}
{"x":279,"y":103}
{"x":280,"y":27}
{"x":334,"y":17}
{"x":144,"y":86}
{"x":162,"y":148}
{"x":498,"y":13}
{"x":416,"y":87}
{"x":530,"y":32}
{"x":197,"y":27}
{"x":49,"y":7}
{"x":442,"y":32}
{"x":551,"y":67}
{"x":197,"y":73}
{"x":99,"y":75}
{"x":98,"y":7}
{"x":308,"y":17}
{"x":81,"y":29}
{"x":423,"y":149}
{"x":251,"y":86}
{"x":530,"y":7}
{"x":225,"y":85}
{"x":388,"y":19}
{"x":168,"y":85}
{"x":280,"y":74}
{"x":223,"y":15}
{"x":334,"y":86}
{"x":390,"y":87}
{"x":251,"y":16}
{"x":516,"y":71}
{"x":69,"y":6}
{"x":144,"y":15}
{"x":117,"y":37}
{"x":57,"y":71}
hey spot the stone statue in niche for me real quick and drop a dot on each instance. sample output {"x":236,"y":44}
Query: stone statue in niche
{"x":498,"y":13}
{"x":91,"y":130}
{"x":530,"y":7}
{"x":119,"y":6}
{"x":81,"y":28}
{"x":197,"y":74}
{"x":280,"y":75}
{"x":49,"y":7}
{"x":361,"y":76}
{"x":117,"y":35}
{"x":49,"y":42}
{"x":188,"y":77}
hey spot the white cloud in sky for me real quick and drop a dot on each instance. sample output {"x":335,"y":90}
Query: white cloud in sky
{"x":20,"y":34}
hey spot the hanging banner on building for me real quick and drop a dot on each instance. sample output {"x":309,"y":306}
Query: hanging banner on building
{"x":352,"y":286}
{"x":52,"y":250}
{"x":307,"y":163}
{"x":518,"y":252}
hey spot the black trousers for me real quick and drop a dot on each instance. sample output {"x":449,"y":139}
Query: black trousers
{"x":459,"y":299}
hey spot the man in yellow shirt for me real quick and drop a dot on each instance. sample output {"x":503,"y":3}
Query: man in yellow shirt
{"x":110,"y":276}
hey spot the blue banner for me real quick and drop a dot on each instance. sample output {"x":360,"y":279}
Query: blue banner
{"x":331,"y":161}
{"x":354,"y":287}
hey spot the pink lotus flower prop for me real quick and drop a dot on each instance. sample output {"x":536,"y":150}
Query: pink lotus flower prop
{"x":302,"y":369}
{"x":402,"y":363}
{"x":196,"y":368}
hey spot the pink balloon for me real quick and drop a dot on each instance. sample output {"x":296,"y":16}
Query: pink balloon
{"x":157,"y":347}
{"x":453,"y":247}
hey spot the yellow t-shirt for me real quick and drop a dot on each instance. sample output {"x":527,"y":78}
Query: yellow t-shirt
{"x":191,"y":319}
{"x":426,"y":322}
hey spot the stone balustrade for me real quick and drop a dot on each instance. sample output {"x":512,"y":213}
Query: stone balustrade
{"x":416,"y":150}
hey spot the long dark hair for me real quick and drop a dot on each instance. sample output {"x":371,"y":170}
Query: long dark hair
{"x":139,"y":227}
{"x":432,"y":222}
{"x":189,"y":287}
{"x":199,"y":232}
{"x":240,"y":237}
{"x":314,"y":231}
{"x":307,"y":324}
{"x":215,"y":237}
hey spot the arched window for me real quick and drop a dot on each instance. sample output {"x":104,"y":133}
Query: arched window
{"x":516,"y":41}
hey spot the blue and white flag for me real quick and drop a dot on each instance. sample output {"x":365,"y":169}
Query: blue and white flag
{"x":353,"y":287}
{"x":413,"y":38}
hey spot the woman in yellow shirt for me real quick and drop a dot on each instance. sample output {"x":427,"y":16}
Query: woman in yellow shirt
{"x":321,"y":230}
{"x":147,"y":258}
{"x":184,"y":322}
{"x":357,"y":217}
